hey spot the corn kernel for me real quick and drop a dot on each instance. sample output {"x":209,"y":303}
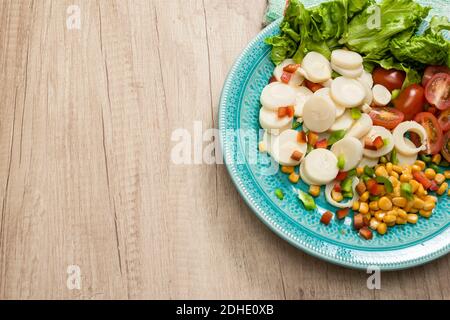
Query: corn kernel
{"x":406,"y":169}
{"x":447,"y":174}
{"x":382,"y":228}
{"x":394,"y":174}
{"x":425,"y":214}
{"x":392,"y":213}
{"x":421,"y":164}
{"x":397,"y":191}
{"x":315,"y":191}
{"x":402,"y":214}
{"x":287,"y":170}
{"x":359,"y":171}
{"x":442,"y":189}
{"x":418,"y":203}
{"x":408,"y":206}
{"x":436,"y":159}
{"x":373,"y":205}
{"x":363,"y":208}
{"x":389,"y":167}
{"x":355,"y":206}
{"x":400,"y":221}
{"x":406,"y":177}
{"x":364,"y":197}
{"x":337,"y":196}
{"x":294,"y":178}
{"x":397,"y":169}
{"x":439,"y":178}
{"x":416,"y":168}
{"x":381,"y":172}
{"x":430,"y":173}
{"x":421,"y":191}
{"x":429,"y":205}
{"x":412,"y":218}
{"x":374,"y":223}
{"x":430,"y":198}
{"x":380,"y":216}
{"x":414,"y":185}
{"x":399,"y":201}
{"x":390,"y":219}
{"x":385,"y":204}
{"x":413,"y":210}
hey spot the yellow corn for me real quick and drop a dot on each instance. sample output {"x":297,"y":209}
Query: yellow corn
{"x":442,"y":189}
{"x":413,"y":210}
{"x":374,"y":223}
{"x":400,"y":221}
{"x":430,"y":199}
{"x":359,"y":171}
{"x":421,"y":164}
{"x":430,"y":173}
{"x":397,"y":169}
{"x":406,"y":169}
{"x":447,"y":174}
{"x":394,"y":174}
{"x":373,"y":205}
{"x":363,"y":208}
{"x":380,"y":215}
{"x":315,"y":191}
{"x":390,"y":219}
{"x":425,"y":214}
{"x":394,"y":181}
{"x":286,"y":169}
{"x":399,"y":201}
{"x":364,"y":197}
{"x":439,"y":178}
{"x":414,"y":185}
{"x":429,"y":205}
{"x":355,"y":206}
{"x":392,"y":213}
{"x":406,"y":177}
{"x":416,"y":168}
{"x":418,"y":203}
{"x":294,"y":178}
{"x":382,"y":228}
{"x":402,"y":214}
{"x":389,"y":167}
{"x":412,"y":218}
{"x":381,"y":172}
{"x":337,"y":196}
{"x":385,"y":204}
{"x":436,"y":159}
{"x":421,"y":191}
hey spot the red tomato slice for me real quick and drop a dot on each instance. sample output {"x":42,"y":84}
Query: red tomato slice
{"x":392,"y":79}
{"x":437,"y":91}
{"x":386,"y":117}
{"x":444,"y":120}
{"x":446,"y":147}
{"x":434,"y":132}
{"x":430,"y":71}
{"x":410,"y":101}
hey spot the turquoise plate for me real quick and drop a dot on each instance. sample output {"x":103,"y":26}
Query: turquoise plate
{"x":253,"y":174}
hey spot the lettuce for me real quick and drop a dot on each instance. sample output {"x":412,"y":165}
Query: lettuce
{"x":430,"y":48}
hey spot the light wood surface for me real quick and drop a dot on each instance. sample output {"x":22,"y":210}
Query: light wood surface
{"x":86,"y":118}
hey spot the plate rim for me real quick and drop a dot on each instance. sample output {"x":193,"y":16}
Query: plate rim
{"x":389,"y":266}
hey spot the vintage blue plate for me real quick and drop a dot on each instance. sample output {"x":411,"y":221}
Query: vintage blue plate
{"x":252,"y":172}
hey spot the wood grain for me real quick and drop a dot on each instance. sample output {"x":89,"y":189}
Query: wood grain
{"x":86,"y":178}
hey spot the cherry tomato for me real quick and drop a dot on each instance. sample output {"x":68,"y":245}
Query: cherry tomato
{"x":437,"y":91}
{"x":410,"y":101}
{"x":386,"y":117}
{"x":392,"y":79}
{"x":444,"y":120}
{"x":430,"y":71}
{"x":313,"y":86}
{"x":446,"y":147}
{"x":434,"y":132}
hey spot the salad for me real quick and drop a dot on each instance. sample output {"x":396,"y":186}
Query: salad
{"x":363,"y":111}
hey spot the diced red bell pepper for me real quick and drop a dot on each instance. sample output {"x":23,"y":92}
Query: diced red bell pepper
{"x":358,"y":221}
{"x":341,"y":176}
{"x":337,"y":187}
{"x":322,"y":144}
{"x":286,"y":77}
{"x":301,"y":137}
{"x":296,"y":155}
{"x":374,"y":187}
{"x":290,"y":111}
{"x":422,"y":179}
{"x":366,"y":233}
{"x":341,"y":214}
{"x":326,"y":218}
{"x":313,"y":86}
{"x":273,"y":79}
{"x":282,"y":112}
{"x":378,"y":143}
{"x":291,"y":68}
{"x":312,"y":138}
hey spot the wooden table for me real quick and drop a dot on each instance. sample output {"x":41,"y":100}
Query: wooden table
{"x":86,"y":177}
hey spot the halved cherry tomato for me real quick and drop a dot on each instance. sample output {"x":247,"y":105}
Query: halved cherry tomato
{"x":430,"y":71}
{"x":386,"y":117}
{"x":437,"y":91}
{"x":337,"y":187}
{"x":444,"y":120}
{"x":313,"y":86}
{"x":434,"y":132}
{"x":446,"y":147}
{"x":392,"y":79}
{"x":410,"y":101}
